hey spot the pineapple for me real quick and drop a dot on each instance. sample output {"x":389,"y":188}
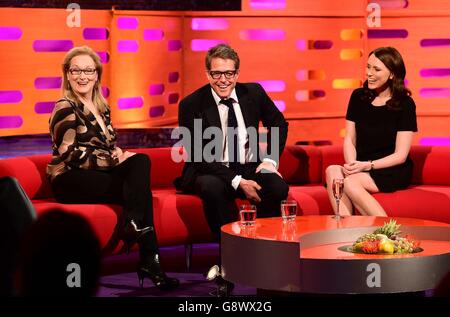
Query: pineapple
{"x":385,"y":239}
{"x":389,"y":229}
{"x":367,"y":237}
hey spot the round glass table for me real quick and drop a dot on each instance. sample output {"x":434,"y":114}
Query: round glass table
{"x":308,"y":256}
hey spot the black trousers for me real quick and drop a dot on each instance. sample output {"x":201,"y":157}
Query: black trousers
{"x":218,"y":197}
{"x":17,"y":214}
{"x":127,"y":184}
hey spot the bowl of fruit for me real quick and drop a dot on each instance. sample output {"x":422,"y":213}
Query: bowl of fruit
{"x":386,"y":240}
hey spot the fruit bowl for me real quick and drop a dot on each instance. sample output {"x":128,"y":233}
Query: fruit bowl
{"x":385,"y":240}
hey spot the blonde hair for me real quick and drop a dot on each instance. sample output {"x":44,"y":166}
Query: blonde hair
{"x":67,"y":91}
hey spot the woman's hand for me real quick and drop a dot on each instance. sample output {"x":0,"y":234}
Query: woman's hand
{"x":116,"y":152}
{"x":122,"y":156}
{"x":356,"y":167}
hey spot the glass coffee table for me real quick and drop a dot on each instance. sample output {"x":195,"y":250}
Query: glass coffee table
{"x":309,"y":255}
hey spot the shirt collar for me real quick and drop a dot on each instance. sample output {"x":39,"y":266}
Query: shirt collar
{"x":232,"y":95}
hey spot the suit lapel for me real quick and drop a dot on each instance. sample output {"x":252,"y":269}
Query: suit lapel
{"x":211,"y":111}
{"x":246,"y":104}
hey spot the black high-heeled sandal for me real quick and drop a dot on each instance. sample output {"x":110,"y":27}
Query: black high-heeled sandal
{"x":131,"y":234}
{"x":152,"y":269}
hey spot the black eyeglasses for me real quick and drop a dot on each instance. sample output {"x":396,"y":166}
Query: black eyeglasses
{"x":87,"y":71}
{"x":215,"y":74}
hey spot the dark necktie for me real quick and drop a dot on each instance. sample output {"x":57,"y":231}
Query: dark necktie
{"x":232,"y":138}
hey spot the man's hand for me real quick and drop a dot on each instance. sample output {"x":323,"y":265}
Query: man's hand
{"x":269,"y":167}
{"x":249,"y":188}
{"x":356,"y":167}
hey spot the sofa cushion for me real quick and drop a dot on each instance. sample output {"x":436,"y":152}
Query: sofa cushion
{"x":30,"y":172}
{"x":179,"y":218}
{"x":311,"y":200}
{"x":430,"y":165}
{"x":301,"y":165}
{"x":101,"y":217}
{"x":423,"y":201}
{"x":331,"y":155}
{"x":164,"y":167}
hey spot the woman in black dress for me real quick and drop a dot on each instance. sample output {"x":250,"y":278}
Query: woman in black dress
{"x":381,"y":119}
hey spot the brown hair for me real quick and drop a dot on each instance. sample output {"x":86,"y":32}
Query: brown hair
{"x":392,"y":59}
{"x":223,"y":51}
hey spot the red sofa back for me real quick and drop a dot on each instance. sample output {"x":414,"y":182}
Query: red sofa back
{"x":429,"y":163}
{"x":299,"y":165}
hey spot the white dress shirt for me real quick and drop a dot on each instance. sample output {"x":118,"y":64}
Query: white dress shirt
{"x":245,"y":155}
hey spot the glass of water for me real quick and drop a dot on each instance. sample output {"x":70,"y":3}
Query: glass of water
{"x":288,"y":210}
{"x":247,"y":215}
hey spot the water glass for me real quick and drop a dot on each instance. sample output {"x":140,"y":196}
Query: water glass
{"x":288,"y":210}
{"x":247,"y":215}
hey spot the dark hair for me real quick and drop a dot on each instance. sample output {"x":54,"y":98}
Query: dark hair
{"x":392,"y":59}
{"x":51,"y":247}
{"x":223,"y":51}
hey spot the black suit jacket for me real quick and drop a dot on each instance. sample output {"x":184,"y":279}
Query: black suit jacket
{"x":256,"y":107}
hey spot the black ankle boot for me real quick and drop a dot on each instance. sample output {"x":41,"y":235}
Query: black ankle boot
{"x":151,"y":268}
{"x":131,"y":234}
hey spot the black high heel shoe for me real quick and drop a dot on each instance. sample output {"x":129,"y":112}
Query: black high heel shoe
{"x":152,"y":269}
{"x":131,"y":234}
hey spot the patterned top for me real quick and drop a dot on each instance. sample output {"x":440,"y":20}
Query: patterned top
{"x":78,"y":141}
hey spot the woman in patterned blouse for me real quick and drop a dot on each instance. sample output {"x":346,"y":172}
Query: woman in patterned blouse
{"x":88,"y":167}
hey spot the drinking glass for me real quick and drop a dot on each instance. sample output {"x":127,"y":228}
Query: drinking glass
{"x":288,"y":210}
{"x":338,"y":191}
{"x":247,"y":215}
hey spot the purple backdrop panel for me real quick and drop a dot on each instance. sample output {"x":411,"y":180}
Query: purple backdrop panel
{"x":10,"y":122}
{"x":130,"y":103}
{"x":95,"y":33}
{"x":435,"y":141}
{"x":44,"y":107}
{"x":262,"y":34}
{"x":10,"y":33}
{"x":127,"y":23}
{"x":153,"y":34}
{"x":47,"y":82}
{"x":435,"y":92}
{"x":200,"y":45}
{"x":387,"y":33}
{"x":203,"y":24}
{"x":272,"y":85}
{"x":301,"y":45}
{"x":156,"y":111}
{"x":281,"y":105}
{"x":268,"y":4}
{"x":174,"y":77}
{"x":435,"y":72}
{"x":127,"y":46}
{"x":173,"y":98}
{"x":52,"y":45}
{"x":174,"y":45}
{"x":434,"y":42}
{"x":156,"y":89}
{"x":393,"y":4}
{"x":318,"y":93}
{"x":104,"y":57}
{"x":322,"y":45}
{"x":10,"y":96}
{"x":105,"y":91}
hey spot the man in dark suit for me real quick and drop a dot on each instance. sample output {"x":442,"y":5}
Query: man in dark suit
{"x":221,"y":121}
{"x":225,"y":111}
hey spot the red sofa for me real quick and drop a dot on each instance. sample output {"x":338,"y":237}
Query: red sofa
{"x":179,"y":218}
